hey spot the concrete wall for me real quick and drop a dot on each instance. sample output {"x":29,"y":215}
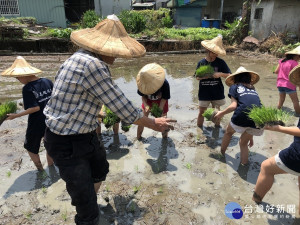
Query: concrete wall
{"x":278,"y":16}
{"x":105,"y":7}
{"x":49,"y":13}
{"x":213,"y":8}
{"x":286,"y":17}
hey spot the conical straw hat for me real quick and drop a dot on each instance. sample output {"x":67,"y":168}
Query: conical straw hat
{"x":108,"y":38}
{"x":295,"y":51}
{"x":150,"y":78}
{"x":254,"y":76}
{"x":214,"y":45}
{"x":294,"y":75}
{"x":20,"y":68}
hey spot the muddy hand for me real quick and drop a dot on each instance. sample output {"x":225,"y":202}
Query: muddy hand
{"x":163,"y":124}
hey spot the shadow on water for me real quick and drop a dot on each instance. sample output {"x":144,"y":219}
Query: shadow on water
{"x":163,"y":149}
{"x":214,"y":137}
{"x":122,"y":204}
{"x":115,"y":145}
{"x":247,"y":172}
{"x":33,"y":180}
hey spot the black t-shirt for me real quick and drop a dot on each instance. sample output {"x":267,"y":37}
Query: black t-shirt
{"x":37,"y":93}
{"x":162,"y":93}
{"x":246,"y":99}
{"x":212,"y":88}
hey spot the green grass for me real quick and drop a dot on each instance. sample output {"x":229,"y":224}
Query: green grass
{"x":156,"y":111}
{"x":110,"y":118}
{"x":268,"y":116}
{"x":8,"y":173}
{"x":136,"y":189}
{"x":208,"y":113}
{"x":205,"y":71}
{"x":6,"y":108}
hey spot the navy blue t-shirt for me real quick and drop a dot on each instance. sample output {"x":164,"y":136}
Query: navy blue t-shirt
{"x":246,"y":99}
{"x":163,"y":92}
{"x":37,"y":93}
{"x":212,"y":88}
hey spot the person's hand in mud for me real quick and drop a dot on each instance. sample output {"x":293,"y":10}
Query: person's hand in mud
{"x":218,"y":116}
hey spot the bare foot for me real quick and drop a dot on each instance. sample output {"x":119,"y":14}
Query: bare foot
{"x":256,"y":198}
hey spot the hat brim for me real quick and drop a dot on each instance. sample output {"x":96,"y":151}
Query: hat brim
{"x":215,"y":49}
{"x":254,"y":78}
{"x":294,"y":76}
{"x":108,"y":38}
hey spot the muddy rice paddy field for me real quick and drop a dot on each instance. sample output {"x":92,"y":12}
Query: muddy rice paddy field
{"x":177,"y":181}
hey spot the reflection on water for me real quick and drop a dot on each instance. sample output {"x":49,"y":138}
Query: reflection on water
{"x":180,"y":69}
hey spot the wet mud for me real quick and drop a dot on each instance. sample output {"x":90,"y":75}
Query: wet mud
{"x":179,"y":180}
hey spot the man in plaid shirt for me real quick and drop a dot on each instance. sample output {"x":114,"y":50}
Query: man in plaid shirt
{"x":82,"y":85}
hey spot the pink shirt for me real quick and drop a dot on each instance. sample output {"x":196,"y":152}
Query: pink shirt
{"x":283,"y":73}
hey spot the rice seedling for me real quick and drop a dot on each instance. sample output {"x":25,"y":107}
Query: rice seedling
{"x":125,"y":128}
{"x":6,"y":108}
{"x":136,"y":189}
{"x":156,"y":111}
{"x":268,"y":116}
{"x":8,"y":173}
{"x":188,"y":166}
{"x":205,"y":71}
{"x":209,"y":114}
{"x":110,"y":118}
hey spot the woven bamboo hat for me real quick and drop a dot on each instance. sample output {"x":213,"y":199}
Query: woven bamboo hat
{"x":214,"y":45}
{"x":295,"y":51}
{"x":108,"y":38}
{"x":20,"y":68}
{"x":294,"y":75}
{"x":254,"y":76}
{"x":150,"y":78}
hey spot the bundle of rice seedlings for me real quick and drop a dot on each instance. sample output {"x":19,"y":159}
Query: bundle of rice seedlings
{"x":156,"y":111}
{"x":125,"y":128}
{"x":205,"y":71}
{"x":6,"y":108}
{"x":110,"y":118}
{"x":209,"y":114}
{"x":268,"y":116}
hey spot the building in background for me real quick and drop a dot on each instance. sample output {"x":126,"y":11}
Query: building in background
{"x":275,"y":16}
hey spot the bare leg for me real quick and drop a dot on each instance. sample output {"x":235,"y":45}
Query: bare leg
{"x":281,"y":100}
{"x":36,"y":160}
{"x":140,"y":129}
{"x":97,"y":186}
{"x":217,"y":123}
{"x":116,"y":128}
{"x":49,"y":160}
{"x":164,"y":134}
{"x":299,"y":195}
{"x":226,"y":138}
{"x":295,"y":101}
{"x":265,"y":178}
{"x":200,"y":119}
{"x":244,"y":142}
{"x":98,"y":129}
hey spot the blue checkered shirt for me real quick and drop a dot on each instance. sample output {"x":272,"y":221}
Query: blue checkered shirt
{"x":82,"y":85}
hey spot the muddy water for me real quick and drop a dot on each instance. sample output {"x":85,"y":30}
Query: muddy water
{"x":181,"y":180}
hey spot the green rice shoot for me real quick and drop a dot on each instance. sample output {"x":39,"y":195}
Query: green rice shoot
{"x":208,"y":113}
{"x":6,"y":108}
{"x":110,"y":118}
{"x":125,"y":128}
{"x":156,"y":111}
{"x":205,"y":71}
{"x":268,"y":116}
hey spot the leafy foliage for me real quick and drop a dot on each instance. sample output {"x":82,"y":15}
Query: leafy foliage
{"x":110,"y":118}
{"x":205,"y":71}
{"x":268,"y":116}
{"x":208,"y":113}
{"x":59,"y":33}
{"x":6,"y":108}
{"x":133,"y":21}
{"x":89,"y":19}
{"x":125,"y":128}
{"x":156,"y":111}
{"x":234,"y":31}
